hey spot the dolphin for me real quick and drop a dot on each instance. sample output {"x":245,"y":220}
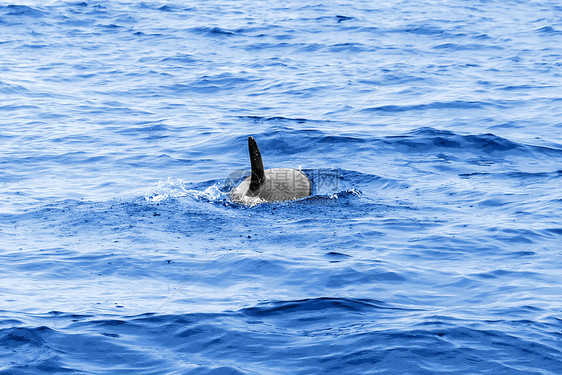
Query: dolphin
{"x":270,"y":185}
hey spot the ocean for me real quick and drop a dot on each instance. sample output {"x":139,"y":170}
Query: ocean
{"x":431,"y":132}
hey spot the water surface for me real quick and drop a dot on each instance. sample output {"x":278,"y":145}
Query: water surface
{"x":431,"y":133}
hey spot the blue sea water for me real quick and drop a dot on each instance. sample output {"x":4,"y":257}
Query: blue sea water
{"x":432,"y":132}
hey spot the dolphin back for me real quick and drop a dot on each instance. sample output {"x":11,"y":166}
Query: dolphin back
{"x":272,"y":185}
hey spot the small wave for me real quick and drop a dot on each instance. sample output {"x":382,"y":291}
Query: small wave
{"x":523,"y":87}
{"x":222,"y":81}
{"x":211,"y":31}
{"x":179,"y":58}
{"x":348,"y":47}
{"x":517,"y":175}
{"x":430,"y":139}
{"x":343,"y":18}
{"x":280,"y":119}
{"x":468,"y":47}
{"x":19,"y":336}
{"x":168,"y":8}
{"x":428,"y":30}
{"x":549,"y":30}
{"x":22,"y":10}
{"x":314,"y":304}
{"x":457,"y":104}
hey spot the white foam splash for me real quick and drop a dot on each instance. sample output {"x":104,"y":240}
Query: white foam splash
{"x":354,"y":192}
{"x":344,"y":193}
{"x":176,"y":188}
{"x":251,"y":201}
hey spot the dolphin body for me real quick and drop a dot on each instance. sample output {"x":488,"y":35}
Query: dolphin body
{"x":270,"y":185}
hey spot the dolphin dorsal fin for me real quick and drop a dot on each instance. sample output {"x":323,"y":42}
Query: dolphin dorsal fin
{"x":258,"y":174}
